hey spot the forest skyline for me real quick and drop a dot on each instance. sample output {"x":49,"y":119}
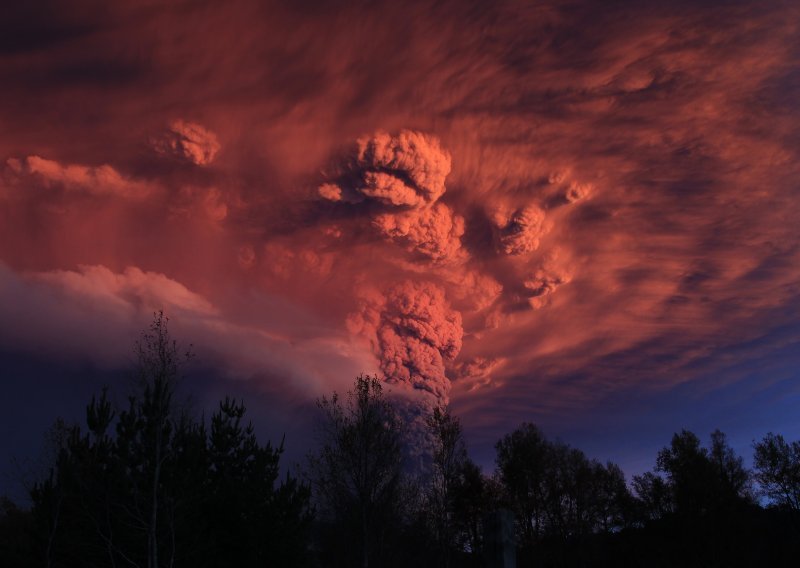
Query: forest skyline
{"x":149,"y":483}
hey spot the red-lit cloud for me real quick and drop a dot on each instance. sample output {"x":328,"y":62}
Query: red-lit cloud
{"x":518,"y":232}
{"x":187,"y":141}
{"x":406,"y":170}
{"x":515,"y":207}
{"x":432,"y":232}
{"x":414,"y":331}
{"x":99,"y":180}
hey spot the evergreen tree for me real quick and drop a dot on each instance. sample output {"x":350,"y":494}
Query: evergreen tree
{"x":151,"y":486}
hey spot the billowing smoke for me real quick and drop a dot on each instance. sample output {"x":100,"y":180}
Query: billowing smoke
{"x":473,"y":290}
{"x":331,"y":192}
{"x":407,"y":170}
{"x":404,"y":177}
{"x":477,"y":372}
{"x":411,"y":155}
{"x":572,"y":189}
{"x":189,"y":142}
{"x":414,"y":332}
{"x":287,"y":262}
{"x":541,"y":285}
{"x":518,"y":231}
{"x":433,"y":232}
{"x":396,"y":182}
{"x":577,"y":191}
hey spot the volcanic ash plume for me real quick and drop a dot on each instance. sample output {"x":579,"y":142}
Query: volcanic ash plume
{"x":578,"y":191}
{"x":407,"y":170}
{"x":518,"y":232}
{"x":477,"y":373}
{"x":189,"y":142}
{"x":409,"y":154}
{"x":413,"y":331}
{"x":472,"y":290}
{"x":542,"y":283}
{"x":433,"y":232}
{"x":402,"y":177}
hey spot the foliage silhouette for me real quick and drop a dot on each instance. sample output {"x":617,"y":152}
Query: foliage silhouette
{"x":455,"y":487}
{"x":148,"y":484}
{"x":151,"y":486}
{"x":559,"y":496}
{"x":777,"y":465}
{"x":357,"y":473}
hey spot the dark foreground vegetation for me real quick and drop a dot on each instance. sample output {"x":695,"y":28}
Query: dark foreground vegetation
{"x":150,"y":485}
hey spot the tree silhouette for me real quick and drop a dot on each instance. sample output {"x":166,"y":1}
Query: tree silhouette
{"x":16,"y":528}
{"x":733,"y":479}
{"x":703,"y":481}
{"x":357,"y":472}
{"x":560,"y":497}
{"x":473,"y":495}
{"x":148,"y":485}
{"x":522,"y":462}
{"x":697,"y":507}
{"x":151,"y":486}
{"x":253,"y":519}
{"x":147,"y":429}
{"x":653,"y":495}
{"x":777,"y":467}
{"x":449,"y":463}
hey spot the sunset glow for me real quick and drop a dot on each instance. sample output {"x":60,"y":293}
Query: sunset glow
{"x":581,"y":215}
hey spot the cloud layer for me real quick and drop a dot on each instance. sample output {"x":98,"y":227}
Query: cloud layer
{"x":189,"y":142}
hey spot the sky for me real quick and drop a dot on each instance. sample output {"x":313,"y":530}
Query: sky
{"x":578,"y":214}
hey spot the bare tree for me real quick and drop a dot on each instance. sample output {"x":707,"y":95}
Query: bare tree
{"x":357,"y":473}
{"x":158,"y":359}
{"x":449,"y":459}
